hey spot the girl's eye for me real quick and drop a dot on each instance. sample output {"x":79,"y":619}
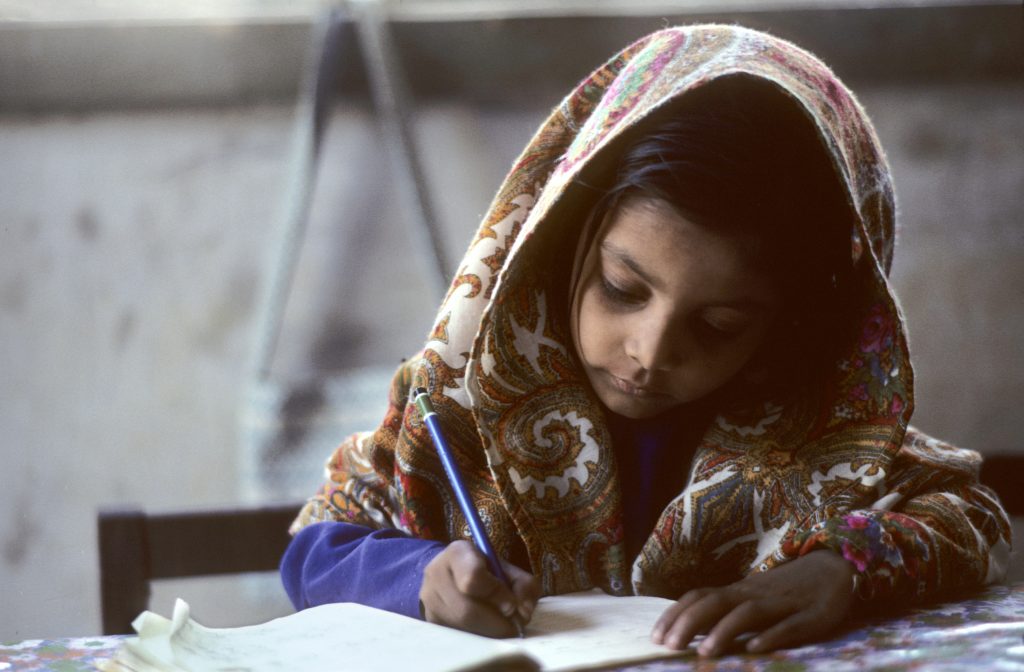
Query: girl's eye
{"x":721,"y":332}
{"x":618,"y":294}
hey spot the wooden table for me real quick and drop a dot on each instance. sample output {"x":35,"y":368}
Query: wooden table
{"x":982,"y":633}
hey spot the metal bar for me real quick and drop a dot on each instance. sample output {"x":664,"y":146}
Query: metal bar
{"x":310,"y":121}
{"x":391,"y":101}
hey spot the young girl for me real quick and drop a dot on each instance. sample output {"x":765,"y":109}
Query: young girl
{"x":669,"y":364}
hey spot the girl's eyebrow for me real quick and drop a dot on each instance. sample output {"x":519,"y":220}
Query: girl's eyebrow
{"x":623,"y":257}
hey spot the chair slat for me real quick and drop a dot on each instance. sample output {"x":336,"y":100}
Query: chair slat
{"x":136,"y":548}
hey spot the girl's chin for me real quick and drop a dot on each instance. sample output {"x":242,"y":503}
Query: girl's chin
{"x":638,"y":414}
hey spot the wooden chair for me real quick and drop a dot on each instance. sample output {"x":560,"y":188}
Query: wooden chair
{"x":136,"y":548}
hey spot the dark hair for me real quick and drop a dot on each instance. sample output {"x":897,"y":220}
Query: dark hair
{"x":740,"y":156}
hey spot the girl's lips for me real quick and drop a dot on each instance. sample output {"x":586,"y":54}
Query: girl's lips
{"x":629,"y":388}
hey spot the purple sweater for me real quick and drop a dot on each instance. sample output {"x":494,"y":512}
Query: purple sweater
{"x":342,"y":562}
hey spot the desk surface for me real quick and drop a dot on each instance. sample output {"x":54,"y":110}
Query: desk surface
{"x":983,"y":633}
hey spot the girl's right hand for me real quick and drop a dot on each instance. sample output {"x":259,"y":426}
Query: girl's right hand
{"x":459,"y":591}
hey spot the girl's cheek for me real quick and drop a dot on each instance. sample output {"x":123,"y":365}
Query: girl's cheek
{"x":599,"y":340}
{"x":592,"y":344}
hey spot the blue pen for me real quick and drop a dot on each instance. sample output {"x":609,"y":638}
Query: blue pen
{"x":476,"y":527}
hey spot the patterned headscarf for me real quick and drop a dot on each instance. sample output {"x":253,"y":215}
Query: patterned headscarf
{"x":530,"y":435}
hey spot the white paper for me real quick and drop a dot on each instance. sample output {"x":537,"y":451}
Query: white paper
{"x":567,"y":632}
{"x":592,"y":629}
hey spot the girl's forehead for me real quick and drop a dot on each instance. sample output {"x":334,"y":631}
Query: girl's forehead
{"x":651,"y":225}
{"x":671,"y":253}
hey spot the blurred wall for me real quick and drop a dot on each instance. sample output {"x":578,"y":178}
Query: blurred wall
{"x":133,"y":241}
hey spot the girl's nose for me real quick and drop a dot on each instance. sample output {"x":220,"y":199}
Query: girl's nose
{"x":654,"y":346}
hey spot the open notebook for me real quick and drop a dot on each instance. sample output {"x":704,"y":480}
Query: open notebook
{"x":568,"y":632}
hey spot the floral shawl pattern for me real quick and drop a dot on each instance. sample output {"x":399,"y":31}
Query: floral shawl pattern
{"x":833,"y":467}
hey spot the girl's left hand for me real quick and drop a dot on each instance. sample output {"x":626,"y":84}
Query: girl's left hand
{"x":801,"y":600}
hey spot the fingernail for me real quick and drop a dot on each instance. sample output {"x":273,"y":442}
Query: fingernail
{"x":656,"y":635}
{"x":526,"y":610}
{"x":706,"y":649}
{"x":507,"y":609}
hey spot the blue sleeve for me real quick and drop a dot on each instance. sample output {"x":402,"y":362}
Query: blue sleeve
{"x":341,"y":562}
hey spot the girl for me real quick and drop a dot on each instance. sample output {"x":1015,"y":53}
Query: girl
{"x":670,"y":364}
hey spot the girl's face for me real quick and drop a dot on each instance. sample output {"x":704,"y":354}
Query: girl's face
{"x":666,"y":311}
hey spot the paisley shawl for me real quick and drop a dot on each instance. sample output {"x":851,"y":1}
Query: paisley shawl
{"x":832,"y":467}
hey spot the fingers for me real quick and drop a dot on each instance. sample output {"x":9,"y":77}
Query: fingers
{"x":796,"y":602}
{"x":667,"y":621}
{"x":812,"y":622}
{"x":798,"y":628}
{"x":695,"y":613}
{"x":525,"y":588}
{"x":473,"y":578}
{"x":459,"y":591}
{"x":668,"y":618}
{"x":748,"y":616}
{"x":726,"y":614}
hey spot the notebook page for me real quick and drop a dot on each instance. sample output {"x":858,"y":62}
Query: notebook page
{"x":591,"y":629}
{"x":346,"y":636}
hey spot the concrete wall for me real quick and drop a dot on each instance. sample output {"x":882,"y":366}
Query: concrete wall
{"x":132,"y":244}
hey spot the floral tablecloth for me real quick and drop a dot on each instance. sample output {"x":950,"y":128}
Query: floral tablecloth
{"x":982,"y":633}
{"x":57,"y":655}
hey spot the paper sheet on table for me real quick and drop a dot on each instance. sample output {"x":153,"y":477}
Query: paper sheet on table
{"x":568,"y":632}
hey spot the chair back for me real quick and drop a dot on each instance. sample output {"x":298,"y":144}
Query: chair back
{"x":136,"y":548}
